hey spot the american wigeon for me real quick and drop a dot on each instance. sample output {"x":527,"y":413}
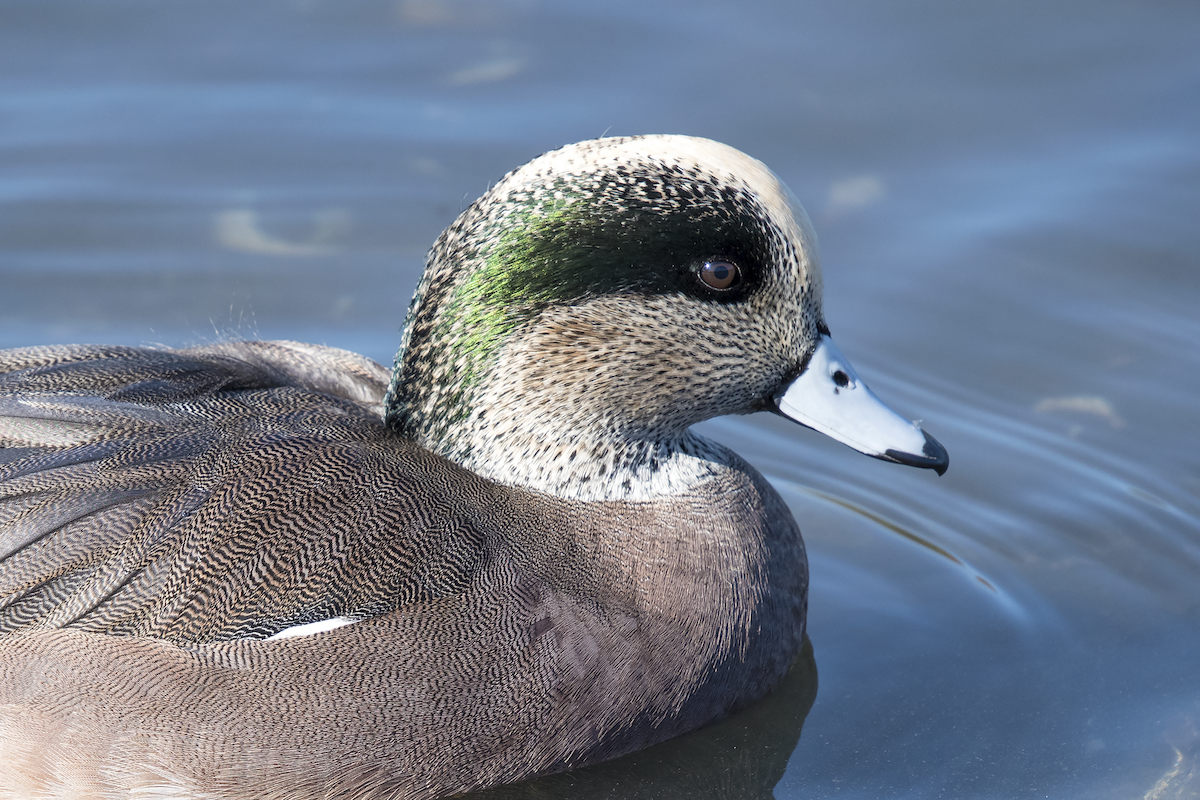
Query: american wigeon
{"x":276,"y":570}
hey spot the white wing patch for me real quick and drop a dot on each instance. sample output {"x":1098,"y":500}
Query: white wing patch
{"x":310,"y":628}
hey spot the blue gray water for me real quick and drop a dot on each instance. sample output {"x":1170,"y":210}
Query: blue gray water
{"x":1008,"y":200}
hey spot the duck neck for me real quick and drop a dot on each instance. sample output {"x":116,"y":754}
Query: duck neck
{"x":545,"y":452}
{"x":596,"y":467}
{"x":557,"y":445}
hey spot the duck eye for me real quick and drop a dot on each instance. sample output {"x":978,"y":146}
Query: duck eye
{"x":720,"y":274}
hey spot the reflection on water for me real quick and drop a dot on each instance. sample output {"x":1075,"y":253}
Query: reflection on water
{"x":888,"y":525}
{"x":880,"y":521}
{"x":1182,"y":779}
{"x":741,"y":757}
{"x":1007,"y":203}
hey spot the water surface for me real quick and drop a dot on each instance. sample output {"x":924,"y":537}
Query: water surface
{"x":1007,"y":197}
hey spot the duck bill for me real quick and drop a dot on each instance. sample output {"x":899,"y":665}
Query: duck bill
{"x":828,"y":396}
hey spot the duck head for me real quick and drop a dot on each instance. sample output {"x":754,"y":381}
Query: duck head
{"x":576,"y":320}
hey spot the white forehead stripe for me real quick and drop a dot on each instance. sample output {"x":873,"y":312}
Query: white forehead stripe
{"x":717,"y":163}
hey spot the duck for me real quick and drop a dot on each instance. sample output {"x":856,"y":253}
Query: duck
{"x":268,"y":569}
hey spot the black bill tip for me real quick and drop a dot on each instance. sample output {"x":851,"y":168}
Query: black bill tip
{"x":933,"y":456}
